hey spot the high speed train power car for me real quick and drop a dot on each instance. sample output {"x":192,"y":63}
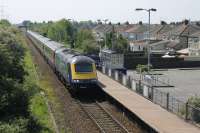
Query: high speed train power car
{"x":74,"y":69}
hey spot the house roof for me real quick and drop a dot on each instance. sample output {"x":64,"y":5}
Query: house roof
{"x":182,"y":29}
{"x":164,"y":29}
{"x":103,"y":28}
{"x":144,"y":42}
{"x":144,"y":28}
{"x":183,"y":51}
{"x":166,"y":43}
{"x":123,"y":28}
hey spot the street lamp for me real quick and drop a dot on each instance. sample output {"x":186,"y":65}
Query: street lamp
{"x":105,"y":22}
{"x":149,"y":49}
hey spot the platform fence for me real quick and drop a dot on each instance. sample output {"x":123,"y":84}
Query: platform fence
{"x":164,"y":99}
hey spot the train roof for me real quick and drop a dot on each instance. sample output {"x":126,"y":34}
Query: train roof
{"x":54,"y":45}
{"x":46,"y":41}
{"x":81,"y":59}
{"x":69,"y":55}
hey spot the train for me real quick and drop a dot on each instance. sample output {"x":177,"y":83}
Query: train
{"x":75,"y":70}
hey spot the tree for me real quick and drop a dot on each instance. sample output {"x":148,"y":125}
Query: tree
{"x":11,"y":56}
{"x":83,"y":35}
{"x":122,"y":44}
{"x":4,"y":23}
{"x":117,"y":43}
{"x":186,"y":21}
{"x":90,"y":47}
{"x":86,"y":42}
{"x":163,"y":23}
{"x":126,"y":23}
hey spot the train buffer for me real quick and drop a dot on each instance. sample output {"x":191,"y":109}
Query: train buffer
{"x":153,"y":115}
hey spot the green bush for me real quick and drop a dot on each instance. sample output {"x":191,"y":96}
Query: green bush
{"x":141,"y":68}
{"x":194,"y":108}
{"x":15,"y":90}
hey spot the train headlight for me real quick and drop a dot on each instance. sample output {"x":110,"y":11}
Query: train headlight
{"x":76,"y":81}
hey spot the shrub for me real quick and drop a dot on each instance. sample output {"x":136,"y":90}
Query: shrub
{"x":195,"y":108}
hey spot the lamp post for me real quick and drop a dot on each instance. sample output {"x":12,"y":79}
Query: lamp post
{"x":148,"y":48}
{"x":105,"y":22}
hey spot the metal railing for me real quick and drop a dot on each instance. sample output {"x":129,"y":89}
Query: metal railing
{"x":164,"y":99}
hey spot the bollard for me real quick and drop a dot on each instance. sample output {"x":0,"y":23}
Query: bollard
{"x":104,"y":69}
{"x":152,"y":94}
{"x":133,"y":85}
{"x":124,"y":80}
{"x":116,"y":75}
{"x":109,"y":72}
{"x":145,"y":91}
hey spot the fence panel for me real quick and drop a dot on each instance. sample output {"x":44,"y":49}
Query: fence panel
{"x":193,"y":114}
{"x":113,"y":74}
{"x":129,"y":82}
{"x":150,"y":93}
{"x":120,"y":76}
{"x":139,"y":88}
{"x":160,"y":98}
{"x":176,"y":106}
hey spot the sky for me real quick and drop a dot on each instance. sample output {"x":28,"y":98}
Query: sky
{"x":114,"y":10}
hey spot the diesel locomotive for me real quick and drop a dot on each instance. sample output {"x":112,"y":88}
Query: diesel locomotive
{"x":76,"y":70}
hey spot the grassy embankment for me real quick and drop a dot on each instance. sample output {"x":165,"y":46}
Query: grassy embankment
{"x":47,"y":83}
{"x":38,"y":106}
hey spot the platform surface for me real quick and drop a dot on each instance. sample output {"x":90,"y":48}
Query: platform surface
{"x":155,"y":116}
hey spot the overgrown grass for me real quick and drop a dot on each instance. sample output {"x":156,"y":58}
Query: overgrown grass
{"x":38,"y":106}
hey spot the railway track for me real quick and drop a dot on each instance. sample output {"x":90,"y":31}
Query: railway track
{"x":102,"y":118}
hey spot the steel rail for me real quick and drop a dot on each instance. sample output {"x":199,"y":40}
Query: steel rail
{"x":113,"y":122}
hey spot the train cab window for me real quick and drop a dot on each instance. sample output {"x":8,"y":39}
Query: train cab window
{"x":83,"y":68}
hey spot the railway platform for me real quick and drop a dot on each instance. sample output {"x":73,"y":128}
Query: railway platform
{"x":153,"y":115}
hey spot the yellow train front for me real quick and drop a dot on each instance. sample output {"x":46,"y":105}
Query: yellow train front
{"x":83,"y":72}
{"x":76,"y":70}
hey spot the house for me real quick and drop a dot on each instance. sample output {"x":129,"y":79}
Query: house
{"x":100,"y":30}
{"x":160,"y":33}
{"x":137,"y":46}
{"x":140,"y":45}
{"x":194,"y":44}
{"x":137,"y":32}
{"x":164,"y":45}
{"x":182,"y":33}
{"x":121,"y":29}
